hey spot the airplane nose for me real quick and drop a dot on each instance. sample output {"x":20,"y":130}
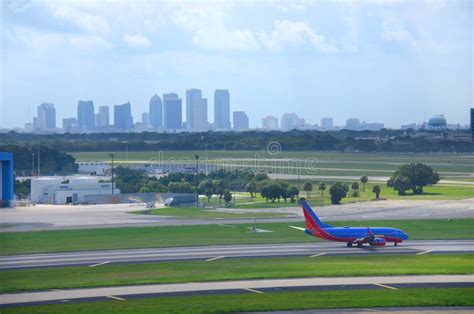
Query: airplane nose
{"x":405,"y":236}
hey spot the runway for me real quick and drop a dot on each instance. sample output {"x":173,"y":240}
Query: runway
{"x":98,"y":258}
{"x":123,"y":293}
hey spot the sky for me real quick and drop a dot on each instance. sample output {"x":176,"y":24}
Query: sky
{"x":389,"y":61}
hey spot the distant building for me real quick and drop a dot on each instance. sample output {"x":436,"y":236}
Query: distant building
{"x":146,"y":118}
{"x":290,"y":121}
{"x":172,"y":112}
{"x":196,"y":110}
{"x":472,"y":124}
{"x":437,"y":123}
{"x":270,"y":123}
{"x":123,"y":120}
{"x":326,"y":123}
{"x":222,"y":109}
{"x":70,"y":125}
{"x":103,"y":119}
{"x":240,"y":121}
{"x":353,"y":124}
{"x":373,"y":126}
{"x":85,"y":115}
{"x":413,"y":126}
{"x":46,"y":117}
{"x":156,"y":112}
{"x":60,"y":190}
{"x":6,"y":179}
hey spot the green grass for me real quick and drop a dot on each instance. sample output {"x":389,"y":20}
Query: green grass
{"x":268,"y":302}
{"x":200,"y":213}
{"x":233,"y":269}
{"x":328,"y":162}
{"x":142,"y":237}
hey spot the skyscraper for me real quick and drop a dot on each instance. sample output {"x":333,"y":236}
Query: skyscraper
{"x":270,"y":123}
{"x":196,"y":110}
{"x":172,"y":112}
{"x":240,"y":120}
{"x":123,"y":120}
{"x":46,"y":119}
{"x":291,"y":121}
{"x":156,"y":112}
{"x":104,"y":116}
{"x":222,"y":109}
{"x":326,"y":123}
{"x":85,"y":114}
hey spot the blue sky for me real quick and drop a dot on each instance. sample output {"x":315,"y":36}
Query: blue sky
{"x":388,"y":61}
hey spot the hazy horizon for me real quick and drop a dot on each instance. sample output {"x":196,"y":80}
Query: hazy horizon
{"x":395,"y":62}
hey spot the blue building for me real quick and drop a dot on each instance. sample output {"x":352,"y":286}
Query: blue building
{"x":123,"y":120}
{"x":172,"y":112}
{"x":6,"y":182}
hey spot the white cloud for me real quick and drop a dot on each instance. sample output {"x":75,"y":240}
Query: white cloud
{"x":91,"y":23}
{"x":294,"y":33}
{"x":137,"y":40}
{"x":222,"y":39}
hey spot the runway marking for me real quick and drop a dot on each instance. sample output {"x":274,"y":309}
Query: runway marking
{"x":385,"y":286}
{"x":214,"y":258}
{"x":115,"y":298}
{"x":99,"y":264}
{"x":224,"y":225}
{"x":316,"y":255}
{"x":253,"y":290}
{"x":424,"y":252}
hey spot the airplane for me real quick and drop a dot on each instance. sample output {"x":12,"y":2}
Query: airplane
{"x":377,"y":236}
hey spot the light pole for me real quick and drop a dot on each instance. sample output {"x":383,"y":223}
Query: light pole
{"x":112,"y":171}
{"x":196,"y":157}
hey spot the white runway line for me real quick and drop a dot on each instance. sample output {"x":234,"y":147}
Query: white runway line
{"x":316,"y":255}
{"x":115,"y":298}
{"x":385,"y":286}
{"x":253,"y":290}
{"x":214,"y":258}
{"x":99,"y":264}
{"x":424,"y":252}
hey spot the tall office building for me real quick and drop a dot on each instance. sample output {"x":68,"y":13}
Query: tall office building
{"x":46,"y":118}
{"x":222,"y":109}
{"x":270,"y":123}
{"x":326,"y":123}
{"x":240,"y":121}
{"x":103,"y":119}
{"x":353,"y":124}
{"x":85,"y":114}
{"x":290,"y":121}
{"x":123,"y":120}
{"x":156,"y":112}
{"x":172,"y":112}
{"x":196,"y":110}
{"x":472,"y":124}
{"x":146,"y":118}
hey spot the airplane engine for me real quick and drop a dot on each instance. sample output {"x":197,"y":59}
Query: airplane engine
{"x":378,"y":242}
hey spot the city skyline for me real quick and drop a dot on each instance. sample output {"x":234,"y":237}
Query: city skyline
{"x":412,"y":59}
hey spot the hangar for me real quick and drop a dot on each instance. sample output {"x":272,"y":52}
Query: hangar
{"x":6,"y":179}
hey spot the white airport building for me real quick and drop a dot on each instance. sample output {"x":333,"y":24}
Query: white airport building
{"x":67,"y":190}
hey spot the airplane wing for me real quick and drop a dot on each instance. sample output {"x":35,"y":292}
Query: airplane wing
{"x":297,"y":228}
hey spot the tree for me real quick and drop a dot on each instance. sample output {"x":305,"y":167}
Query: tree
{"x":355,"y":189}
{"x":364,"y":180}
{"x":272,"y":190}
{"x":322,"y":187}
{"x":376,"y":189}
{"x":227,"y":198}
{"x":337,"y":192}
{"x":209,"y":193}
{"x":413,"y":176}
{"x":307,"y":187}
{"x":251,"y":187}
{"x":292,"y":192}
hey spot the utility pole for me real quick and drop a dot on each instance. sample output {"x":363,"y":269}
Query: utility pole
{"x":197,"y":180}
{"x":112,"y":172}
{"x":32,"y":164}
{"x":39,"y":172}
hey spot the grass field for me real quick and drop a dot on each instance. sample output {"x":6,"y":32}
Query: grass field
{"x":327,"y":163}
{"x":267,"y":302}
{"x":233,"y":269}
{"x":121,"y":238}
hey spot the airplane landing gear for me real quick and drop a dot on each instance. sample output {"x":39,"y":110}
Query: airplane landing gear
{"x":359,"y":244}
{"x":395,"y":244}
{"x":349,"y":244}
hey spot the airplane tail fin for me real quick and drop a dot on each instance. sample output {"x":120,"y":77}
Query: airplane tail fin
{"x":312,"y":220}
